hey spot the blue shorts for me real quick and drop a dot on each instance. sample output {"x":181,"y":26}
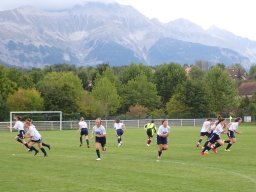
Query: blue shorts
{"x":214,"y":138}
{"x":37,"y":141}
{"x":231,"y":134}
{"x":119,"y":132}
{"x":204,"y":134}
{"x":84,"y":131}
{"x":161,"y":140}
{"x":101,"y":140}
{"x":21,"y":134}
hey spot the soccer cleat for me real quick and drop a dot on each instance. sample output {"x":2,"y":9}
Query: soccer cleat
{"x":206,"y":152}
{"x":98,"y":159}
{"x":202,"y":153}
{"x":197,"y":145}
{"x":49,"y":147}
{"x":227,"y":150}
{"x":80,"y":145}
{"x":214,"y":150}
{"x":45,"y":155}
{"x":35,"y":153}
{"x":148,"y":145}
{"x":88,"y":146}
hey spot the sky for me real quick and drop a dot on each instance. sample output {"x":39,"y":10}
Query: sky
{"x":236,"y":16}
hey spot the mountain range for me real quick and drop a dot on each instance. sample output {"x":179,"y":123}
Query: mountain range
{"x":96,"y":32}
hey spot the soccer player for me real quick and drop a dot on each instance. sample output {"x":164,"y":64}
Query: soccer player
{"x":215,"y":137}
{"x":162,"y":134}
{"x":20,"y":127}
{"x":35,"y":137}
{"x":205,"y":131}
{"x":83,"y":131}
{"x":119,"y":131}
{"x":99,"y":132}
{"x":151,"y":130}
{"x":231,"y":133}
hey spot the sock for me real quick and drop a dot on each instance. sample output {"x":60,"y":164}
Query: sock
{"x":19,"y":140}
{"x":200,"y":140}
{"x":226,"y":141}
{"x":159,"y":153}
{"x":118,"y":140}
{"x":87,"y":141}
{"x":229,"y":145}
{"x":217,"y":145}
{"x":81,"y":140}
{"x":46,"y":145}
{"x":98,"y":153}
{"x":206,"y":148}
{"x":206,"y":144}
{"x":33,"y":148}
{"x":43,"y":150}
{"x":26,"y":145}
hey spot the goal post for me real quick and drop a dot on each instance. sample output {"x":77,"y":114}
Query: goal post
{"x":31,"y":113}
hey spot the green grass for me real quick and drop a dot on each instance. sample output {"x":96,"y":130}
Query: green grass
{"x":132,"y":167}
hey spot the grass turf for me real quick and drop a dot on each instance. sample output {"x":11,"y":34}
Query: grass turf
{"x":131,"y":167}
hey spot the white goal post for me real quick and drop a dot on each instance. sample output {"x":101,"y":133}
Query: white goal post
{"x":12,"y":113}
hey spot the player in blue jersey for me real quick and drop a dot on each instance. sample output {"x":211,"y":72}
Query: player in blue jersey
{"x":83,"y":128}
{"x":162,"y":137}
{"x":99,"y":132}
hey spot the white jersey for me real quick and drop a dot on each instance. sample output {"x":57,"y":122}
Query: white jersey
{"x":163,"y":130}
{"x":118,"y":125}
{"x":219,"y":129}
{"x":32,"y":131}
{"x":19,"y":126}
{"x":233,"y":126}
{"x":82,"y":124}
{"x":99,"y":130}
{"x":206,"y":126}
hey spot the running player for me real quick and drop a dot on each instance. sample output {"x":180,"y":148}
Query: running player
{"x":151,"y":130}
{"x":162,"y":134}
{"x":83,"y":131}
{"x":205,"y":131}
{"x":231,"y":133}
{"x":99,"y":132}
{"x":119,"y":126}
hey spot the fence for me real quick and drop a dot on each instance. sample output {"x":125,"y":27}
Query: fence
{"x":138,"y":123}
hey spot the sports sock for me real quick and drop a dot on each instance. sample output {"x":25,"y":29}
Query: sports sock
{"x":43,"y":150}
{"x":98,"y":153}
{"x":229,"y":145}
{"x":226,"y":141}
{"x":26,"y":145}
{"x":217,"y":145}
{"x":206,"y":143}
{"x":46,"y":145}
{"x":199,"y":141}
{"x":81,"y":140}
{"x":87,"y":141}
{"x":159,"y":153}
{"x":118,"y":140}
{"x":19,"y":140}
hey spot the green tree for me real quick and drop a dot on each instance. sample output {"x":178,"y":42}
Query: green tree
{"x":105,"y":92}
{"x":140,"y":91}
{"x":7,"y":86}
{"x":167,"y":78}
{"x":252,"y":72}
{"x":221,"y":90}
{"x":61,"y":91}
{"x":25,"y":100}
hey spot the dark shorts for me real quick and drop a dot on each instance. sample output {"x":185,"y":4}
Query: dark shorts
{"x":21,"y":134}
{"x":231,"y":134}
{"x":37,"y":141}
{"x":149,"y":132}
{"x":161,"y":140}
{"x":101,"y":140}
{"x":204,"y":134}
{"x":119,"y":132}
{"x":214,"y":138}
{"x":84,"y":131}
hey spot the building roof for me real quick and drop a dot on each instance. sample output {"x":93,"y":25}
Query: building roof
{"x":247,"y":88}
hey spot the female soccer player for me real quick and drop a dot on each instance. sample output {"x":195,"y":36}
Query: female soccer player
{"x":231,"y":133}
{"x":83,"y":131}
{"x":205,"y":131}
{"x":99,"y":132}
{"x":215,"y":137}
{"x":35,"y":137}
{"x":162,"y":134}
{"x":119,"y":131}
{"x":151,"y":130}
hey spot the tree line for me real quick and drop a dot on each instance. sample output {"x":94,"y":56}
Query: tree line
{"x":132,"y":91}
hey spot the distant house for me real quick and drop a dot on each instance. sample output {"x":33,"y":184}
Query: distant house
{"x":237,"y":74}
{"x":247,"y":89}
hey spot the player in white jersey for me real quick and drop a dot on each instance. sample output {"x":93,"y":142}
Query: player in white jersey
{"x":231,"y":132}
{"x":83,"y":128}
{"x":162,"y":134}
{"x":119,"y":126}
{"x":21,"y":132}
{"x":215,"y":137}
{"x":205,"y":131}
{"x":99,"y":132}
{"x":35,"y":136}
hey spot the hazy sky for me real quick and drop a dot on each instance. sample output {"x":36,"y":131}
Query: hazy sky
{"x":236,"y":16}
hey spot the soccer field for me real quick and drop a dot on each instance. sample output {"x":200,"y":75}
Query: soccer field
{"x":131,"y":167}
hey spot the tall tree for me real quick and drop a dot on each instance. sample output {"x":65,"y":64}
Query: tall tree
{"x":61,"y":91}
{"x":167,"y":77}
